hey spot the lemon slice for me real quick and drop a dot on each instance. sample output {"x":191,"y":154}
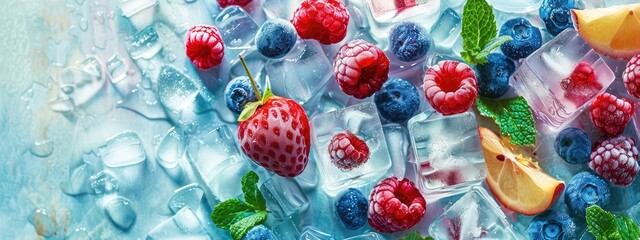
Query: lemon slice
{"x":515,"y":179}
{"x":612,"y":31}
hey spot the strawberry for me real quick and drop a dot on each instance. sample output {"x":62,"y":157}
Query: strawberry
{"x":274,"y":132}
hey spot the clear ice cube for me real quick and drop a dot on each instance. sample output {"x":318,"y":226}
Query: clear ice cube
{"x":475,"y":216}
{"x":183,"y":225}
{"x":82,"y":81}
{"x":284,"y":196}
{"x":634,"y":212}
{"x":144,"y":44}
{"x":398,"y":10}
{"x":515,"y":6}
{"x":78,"y":181}
{"x":446,"y":31}
{"x":139,"y":12}
{"x":367,"y":236}
{"x":312,"y":233}
{"x":280,"y":8}
{"x":398,"y":144}
{"x":188,"y":196}
{"x":104,"y":183}
{"x":450,"y":160}
{"x":120,"y":212}
{"x":285,"y":230}
{"x":302,"y":73}
{"x":175,"y":90}
{"x":172,"y":148}
{"x":363,"y":121}
{"x":122,"y":149}
{"x":539,"y":78}
{"x":236,"y":27}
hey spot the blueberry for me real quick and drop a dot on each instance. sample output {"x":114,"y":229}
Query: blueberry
{"x":238,"y":93}
{"x":276,"y":38}
{"x":573,"y":145}
{"x":259,"y":232}
{"x":493,"y":77}
{"x":556,"y":15}
{"x":586,"y":189}
{"x":397,"y":100}
{"x":352,"y":209}
{"x":409,"y":41}
{"x":526,"y":38}
{"x":552,"y":225}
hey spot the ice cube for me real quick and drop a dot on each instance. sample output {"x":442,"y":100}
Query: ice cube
{"x":122,"y":149}
{"x":43,"y":223}
{"x":367,"y":236}
{"x":285,"y":230}
{"x":236,"y":27}
{"x":116,"y":68}
{"x":284,"y":196}
{"x":81,"y":82}
{"x":175,"y":90}
{"x":144,"y":44}
{"x":302,"y":73}
{"x":280,"y":8}
{"x":183,"y":225}
{"x":188,"y":196}
{"x":589,"y":4}
{"x":398,"y":10}
{"x":181,"y":14}
{"x":539,"y":78}
{"x":515,"y":6}
{"x":634,"y":212}
{"x":312,"y":233}
{"x":79,"y":234}
{"x":78,"y":181}
{"x":446,"y":31}
{"x":447,"y":150}
{"x":139,"y":12}
{"x":363,"y":121}
{"x":398,"y":144}
{"x":172,"y":148}
{"x":475,"y":216}
{"x":103,"y":183}
{"x":120,"y":212}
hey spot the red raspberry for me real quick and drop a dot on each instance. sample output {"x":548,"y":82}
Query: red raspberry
{"x":226,"y":3}
{"x":616,"y":159}
{"x":323,"y":20}
{"x":204,"y":46}
{"x":347,"y":151}
{"x":610,"y":114}
{"x":360,"y":68}
{"x":631,"y":76}
{"x":450,"y":87}
{"x":582,"y":84}
{"x":395,"y":205}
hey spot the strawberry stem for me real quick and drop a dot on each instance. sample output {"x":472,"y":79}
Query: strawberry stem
{"x":253,"y":82}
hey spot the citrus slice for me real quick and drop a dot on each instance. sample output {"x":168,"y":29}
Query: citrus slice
{"x":611,"y":31}
{"x":515,"y":179}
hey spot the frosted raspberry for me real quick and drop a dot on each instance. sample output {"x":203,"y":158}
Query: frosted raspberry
{"x":323,"y":20}
{"x":347,"y":151}
{"x":204,"y":46}
{"x":360,"y":68}
{"x":616,"y":159}
{"x":450,"y":87}
{"x":631,"y":76}
{"x":610,"y":114}
{"x":395,"y":205}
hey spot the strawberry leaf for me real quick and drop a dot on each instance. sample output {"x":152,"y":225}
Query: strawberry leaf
{"x":513,"y":116}
{"x":248,"y":111}
{"x":267,"y":92}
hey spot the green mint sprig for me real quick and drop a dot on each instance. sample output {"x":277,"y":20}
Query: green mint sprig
{"x":513,"y":116}
{"x":607,"y":226}
{"x":238,"y":216}
{"x":479,"y":32}
{"x":415,"y":235}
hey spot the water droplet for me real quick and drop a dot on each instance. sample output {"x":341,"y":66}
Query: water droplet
{"x":42,"y":148}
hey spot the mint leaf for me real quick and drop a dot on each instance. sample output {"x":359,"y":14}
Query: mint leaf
{"x":252,"y":194}
{"x":513,"y":116}
{"x":628,"y":228}
{"x":478,"y":28}
{"x":481,"y":58}
{"x":415,"y":235}
{"x":601,"y":223}
{"x":240,"y":228}
{"x":228,"y":212}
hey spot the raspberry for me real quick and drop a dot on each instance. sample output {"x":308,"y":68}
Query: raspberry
{"x":450,"y":87}
{"x":323,"y":20}
{"x":226,"y":3}
{"x":347,"y":151}
{"x":631,"y":76}
{"x":581,"y":85}
{"x":204,"y":46}
{"x":360,"y":68}
{"x":395,"y":205}
{"x":610,"y":114}
{"x":615,"y":159}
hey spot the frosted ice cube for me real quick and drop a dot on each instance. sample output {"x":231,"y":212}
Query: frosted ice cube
{"x":183,"y":225}
{"x":398,"y":144}
{"x":120,"y":212}
{"x":122,"y":149}
{"x":187,"y":196}
{"x":446,"y":31}
{"x":515,"y":6}
{"x":83,"y":81}
{"x":312,"y":233}
{"x":475,"y":216}
{"x":171,"y":149}
{"x":139,"y":12}
{"x":175,"y":90}
{"x":539,"y":78}
{"x":144,"y":44}
{"x":236,"y":27}
{"x":363,"y":121}
{"x":447,"y":150}
{"x":302,"y":73}
{"x":284,"y":196}
{"x":280,"y":8}
{"x":104,"y":183}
